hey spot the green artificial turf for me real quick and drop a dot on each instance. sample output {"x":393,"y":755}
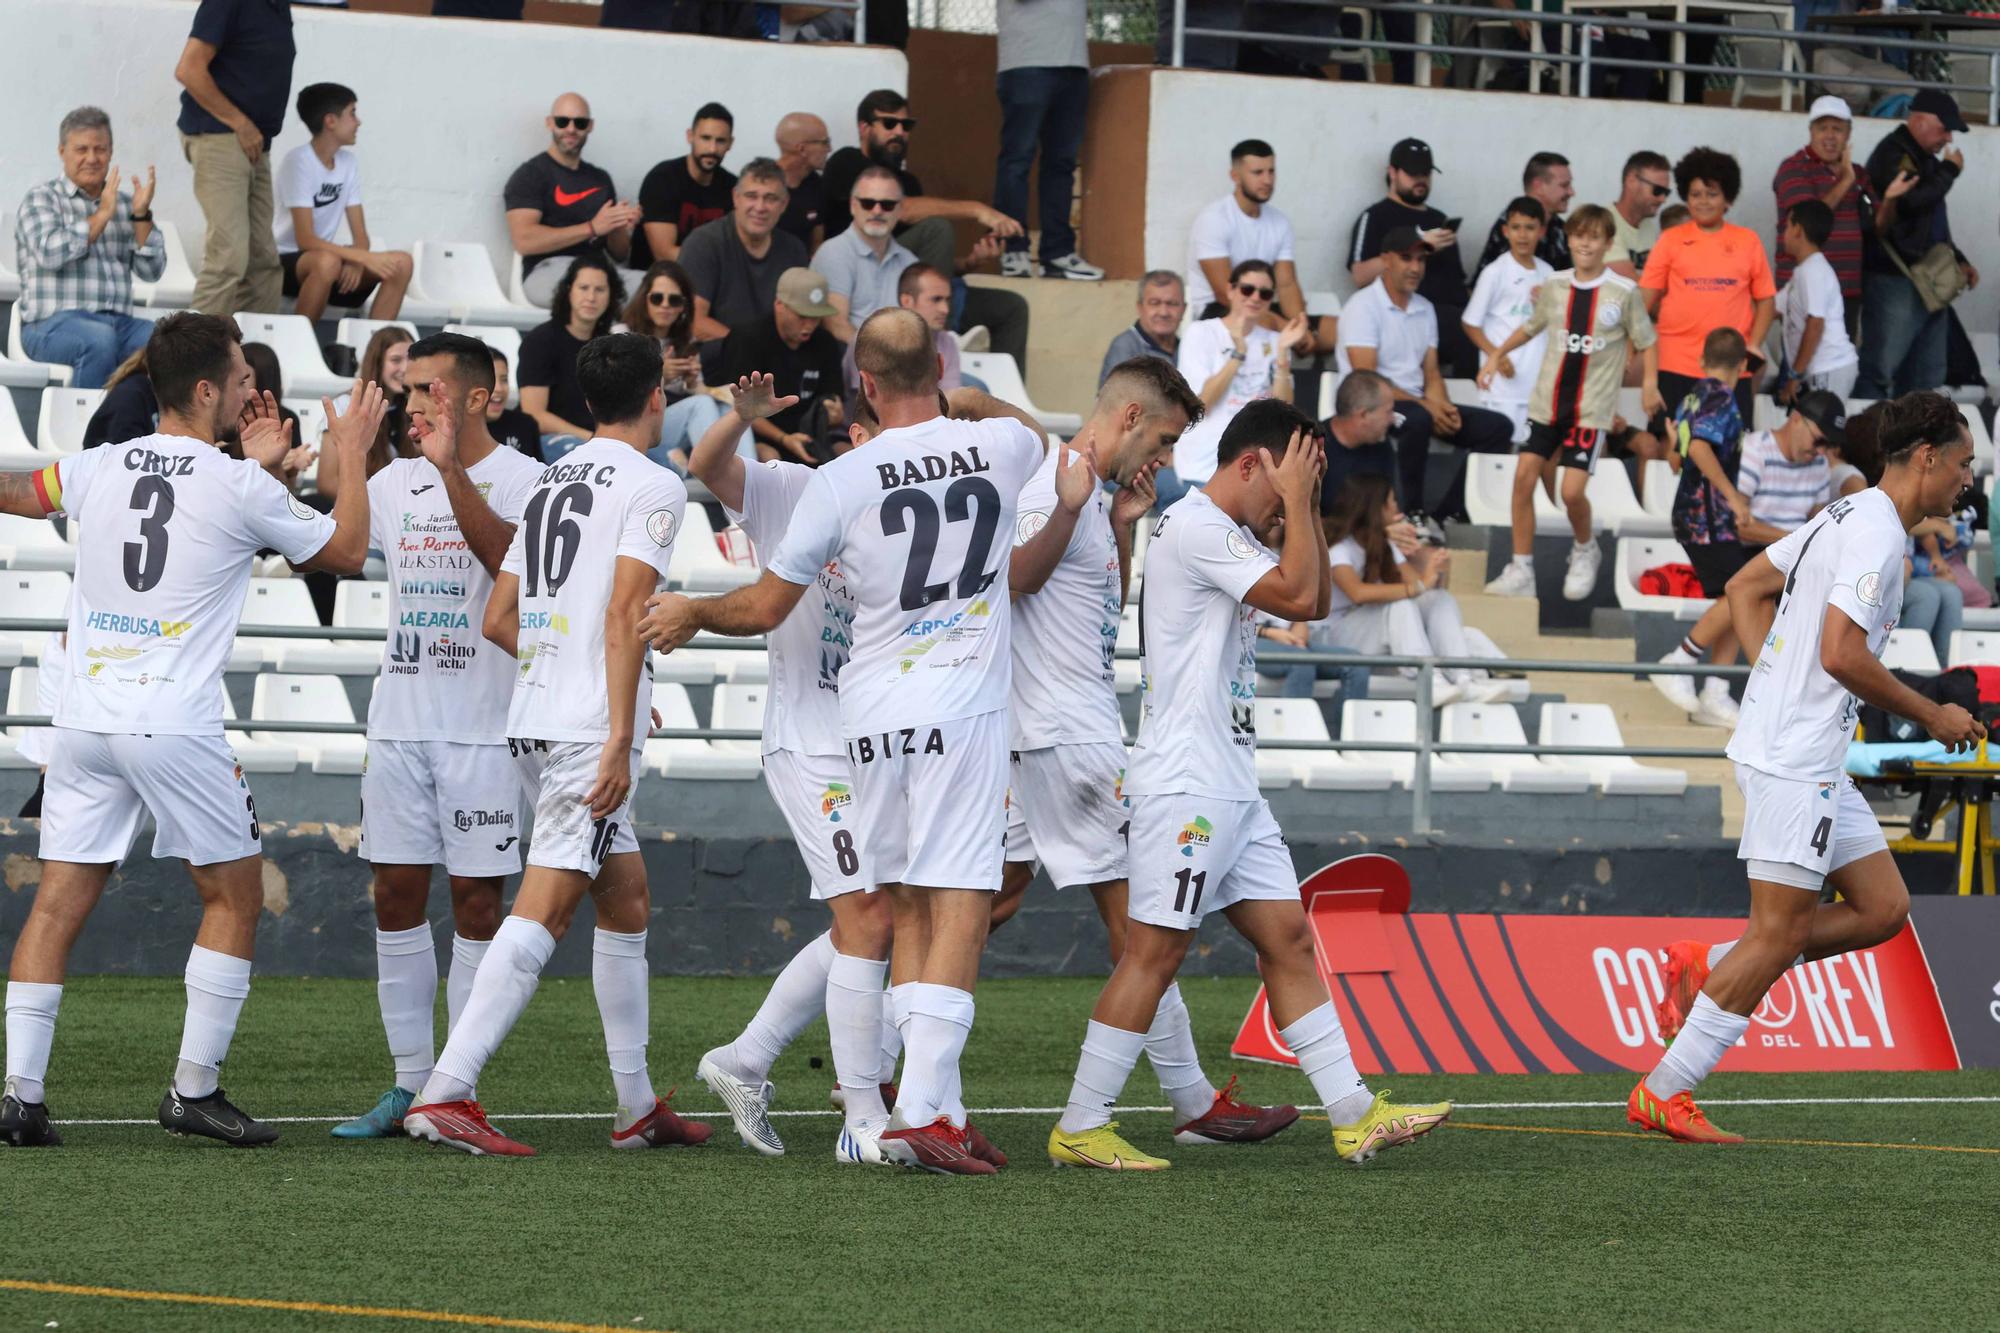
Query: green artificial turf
{"x":1473,"y":1227}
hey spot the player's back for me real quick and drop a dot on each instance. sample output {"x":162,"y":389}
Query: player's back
{"x":601,"y":501}
{"x":1066,"y":634}
{"x":919,"y":519}
{"x":168,"y":526}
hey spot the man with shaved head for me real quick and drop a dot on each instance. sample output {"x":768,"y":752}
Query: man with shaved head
{"x":803,"y":146}
{"x":560,"y":206}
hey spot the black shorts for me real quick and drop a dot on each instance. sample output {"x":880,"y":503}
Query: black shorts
{"x":290,"y":263}
{"x":1715,"y":563}
{"x":1576,"y":447}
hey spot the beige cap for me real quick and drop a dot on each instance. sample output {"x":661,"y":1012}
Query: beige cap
{"x":804,"y":291}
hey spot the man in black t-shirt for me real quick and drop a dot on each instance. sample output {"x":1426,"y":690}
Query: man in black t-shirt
{"x":802,"y":358}
{"x":681,"y":193}
{"x":1408,"y":205}
{"x":735,"y":261}
{"x":803,"y":146}
{"x":1546,"y":180}
{"x":560,"y":206}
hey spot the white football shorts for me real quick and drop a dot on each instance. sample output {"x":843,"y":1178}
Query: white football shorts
{"x":557,"y":775}
{"x":1798,"y":833}
{"x":426,"y":803}
{"x":1069,"y":801}
{"x":933,"y":802}
{"x":1191,"y":855}
{"x":815,"y":793}
{"x":101,"y":787}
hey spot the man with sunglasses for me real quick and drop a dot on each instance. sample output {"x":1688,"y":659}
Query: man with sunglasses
{"x":863,"y":264}
{"x":1642,"y":192}
{"x":1825,"y":170}
{"x":1784,"y":471}
{"x":560,"y":206}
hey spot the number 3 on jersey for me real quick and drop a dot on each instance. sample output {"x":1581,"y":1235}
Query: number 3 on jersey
{"x":915,"y":512}
{"x":146,"y":559}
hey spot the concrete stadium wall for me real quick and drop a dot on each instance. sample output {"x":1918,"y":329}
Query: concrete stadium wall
{"x":448,"y":108}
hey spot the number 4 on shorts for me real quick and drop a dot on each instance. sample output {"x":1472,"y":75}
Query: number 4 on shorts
{"x":1821,"y":833}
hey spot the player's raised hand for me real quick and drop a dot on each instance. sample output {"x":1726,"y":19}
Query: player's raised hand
{"x":1955,"y":728}
{"x":354,"y":430}
{"x":1135,"y":498}
{"x":755,"y":397}
{"x":613,"y":783}
{"x":669,"y":621}
{"x":1297,"y":474}
{"x":1075,"y":480}
{"x":439,"y":438}
{"x":266,"y":440}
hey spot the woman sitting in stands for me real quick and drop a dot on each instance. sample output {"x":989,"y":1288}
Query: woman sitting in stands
{"x":585,"y":303}
{"x":1386,"y":603}
{"x":1233,"y":360}
{"x":383,"y":362}
{"x":663,"y":309}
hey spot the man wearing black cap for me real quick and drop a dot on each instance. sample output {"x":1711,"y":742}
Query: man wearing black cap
{"x":1783,"y":473}
{"x":1903,"y":333}
{"x":1408,"y":205}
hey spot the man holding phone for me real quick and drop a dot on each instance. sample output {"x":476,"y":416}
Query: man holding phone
{"x":1408,"y":205}
{"x":1903,"y":349}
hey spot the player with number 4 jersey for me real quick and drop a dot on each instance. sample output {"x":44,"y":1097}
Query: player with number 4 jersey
{"x":1838,"y":587}
{"x":168,"y":525}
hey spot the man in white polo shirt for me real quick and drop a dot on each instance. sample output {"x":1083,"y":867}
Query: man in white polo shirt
{"x":1387,"y":328}
{"x":1245,"y":224}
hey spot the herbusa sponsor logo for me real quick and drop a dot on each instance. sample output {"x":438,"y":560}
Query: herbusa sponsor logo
{"x":1830,"y":1003}
{"x":467,"y":820}
{"x":113,"y":622}
{"x":549,"y":620}
{"x":430,"y":588}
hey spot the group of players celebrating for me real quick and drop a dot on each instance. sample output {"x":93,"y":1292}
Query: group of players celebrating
{"x":941,"y":607}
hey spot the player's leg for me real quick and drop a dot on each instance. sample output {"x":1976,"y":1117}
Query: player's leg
{"x":855,"y":1005}
{"x":388,"y":302}
{"x":620,"y":979}
{"x":1585,"y":558}
{"x":317,"y":271}
{"x":1014,"y":881}
{"x":475,"y":918}
{"x":406,"y":981}
{"x":218,"y":982}
{"x":1518,"y":578}
{"x":63,"y":902}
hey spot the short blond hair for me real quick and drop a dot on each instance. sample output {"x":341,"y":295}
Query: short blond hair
{"x":1593,"y":220}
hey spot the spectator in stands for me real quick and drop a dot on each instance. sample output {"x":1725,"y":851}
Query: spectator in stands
{"x":79,"y":244}
{"x":1546,"y":179}
{"x":663,"y":307}
{"x":1673,"y":215}
{"x":1783,"y":475}
{"x":928,"y":292}
{"x":802,"y":358}
{"x":1502,"y":300}
{"x":319,"y":184}
{"x":560,"y":206}
{"x":1044,"y":88}
{"x":1245,"y":224}
{"x":883,"y":122}
{"x":582,"y":307}
{"x":863,"y":263}
{"x":735,"y":261}
{"x":1232,"y":360}
{"x":1157,"y":330}
{"x":1357,"y":434}
{"x":1707,"y":274}
{"x":1903,"y":340}
{"x":128,"y":409}
{"x":1825,"y":170}
{"x":1281,"y":641}
{"x":510,"y":425}
{"x":236,"y":76}
{"x":683,"y":193}
{"x":270,"y":379}
{"x":1408,"y":205}
{"x":1818,"y":352}
{"x":384,"y":361}
{"x":1385,"y":601}
{"x":1388,"y":328}
{"x":1642,"y":188}
{"x":803,"y":147}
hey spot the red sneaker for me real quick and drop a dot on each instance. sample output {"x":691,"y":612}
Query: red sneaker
{"x":461,"y":1125}
{"x":940,"y":1147}
{"x":1231,"y":1121}
{"x":661,"y":1128}
{"x":1677,"y":1117}
{"x":981,"y":1147}
{"x":1686,"y":966}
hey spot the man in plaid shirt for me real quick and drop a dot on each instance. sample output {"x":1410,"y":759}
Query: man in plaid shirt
{"x":80,"y":244}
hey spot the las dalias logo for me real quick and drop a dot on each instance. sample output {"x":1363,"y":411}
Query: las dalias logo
{"x":1194,"y":834}
{"x":837,"y":797}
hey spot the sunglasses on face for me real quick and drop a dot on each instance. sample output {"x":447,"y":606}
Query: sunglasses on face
{"x":564,"y":122}
{"x":1252,"y":289}
{"x":871,"y":205}
{"x":1659,"y":191}
{"x":672,"y":300}
{"x":897,"y":122}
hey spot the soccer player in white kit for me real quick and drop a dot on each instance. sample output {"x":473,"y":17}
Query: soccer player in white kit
{"x":918,"y":520}
{"x":1066,"y":805}
{"x":438,"y":788}
{"x":596,"y":533}
{"x":1202,"y":837}
{"x":1838,"y":585}
{"x":169,"y":526}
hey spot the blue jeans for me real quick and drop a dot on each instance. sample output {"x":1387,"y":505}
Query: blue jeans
{"x":1935,"y":606}
{"x":1902,"y":344}
{"x":91,"y":342}
{"x":683,"y":426}
{"x":1041,"y":107}
{"x":555,"y":446}
{"x":1300,"y":676}
{"x":1167,"y":488}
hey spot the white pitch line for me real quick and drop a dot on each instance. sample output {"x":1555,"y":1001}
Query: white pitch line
{"x":1162,"y":1110}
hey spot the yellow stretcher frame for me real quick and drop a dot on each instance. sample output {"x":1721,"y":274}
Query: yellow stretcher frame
{"x":1972,"y":790}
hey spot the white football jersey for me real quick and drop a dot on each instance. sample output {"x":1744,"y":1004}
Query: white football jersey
{"x":1066,"y":633}
{"x":601,"y":501}
{"x":918,"y":520}
{"x":1197,"y":719}
{"x":442,"y":680}
{"x":167,"y":533}
{"x":802,"y":705}
{"x":1796,"y":719}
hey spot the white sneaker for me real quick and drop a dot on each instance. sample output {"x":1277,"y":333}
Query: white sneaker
{"x":1018,"y":264}
{"x":860,"y":1144}
{"x":978,"y":338}
{"x":1580,"y":580}
{"x":1074,"y":267}
{"x":1678,"y":689}
{"x":1517,"y":580}
{"x":749,"y":1106}
{"x":1716,"y":708}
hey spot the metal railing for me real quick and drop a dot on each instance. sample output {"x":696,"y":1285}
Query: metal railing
{"x":1423,"y":747}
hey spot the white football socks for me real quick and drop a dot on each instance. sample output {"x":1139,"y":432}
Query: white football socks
{"x":506,"y":982}
{"x":940,"y":1022}
{"x":854,"y":1004}
{"x":1705,"y":1038}
{"x":406,"y":982}
{"x":1170,"y":1050}
{"x":466,"y":955}
{"x":895,"y":1017}
{"x":1525,"y":561}
{"x":618,"y":975}
{"x":217,"y":985}
{"x":31,"y":1031}
{"x":1109,"y":1055}
{"x":1320,"y":1043}
{"x":796,"y":998}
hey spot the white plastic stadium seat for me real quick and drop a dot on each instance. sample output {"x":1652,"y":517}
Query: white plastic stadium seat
{"x":358,"y":604}
{"x":17,"y":450}
{"x":690,"y":758}
{"x":1616,"y":775}
{"x":23,"y":699}
{"x":280,"y":602}
{"x":502,"y":338}
{"x":1975,"y":647}
{"x":1003,"y":380}
{"x":1396,"y":720}
{"x":65,"y":414}
{"x":272,"y":756}
{"x":1635,"y":556}
{"x":175,"y":288}
{"x":10,"y":278}
{"x":739,"y":708}
{"x":1910,"y":650}
{"x":312,"y":423}
{"x":1499,"y":724}
{"x":355,"y":333}
{"x":33,"y":543}
{"x":1661,"y":482}
{"x":32,"y":594}
{"x":1128,"y":672}
{"x":699,"y":564}
{"x":292,"y":337}
{"x":1489,"y":490}
{"x":460,"y":276}
{"x":1321,"y":770}
{"x":281,"y":698}
{"x":23,"y":368}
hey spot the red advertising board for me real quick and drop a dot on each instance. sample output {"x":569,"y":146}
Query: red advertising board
{"x":1454,"y":993}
